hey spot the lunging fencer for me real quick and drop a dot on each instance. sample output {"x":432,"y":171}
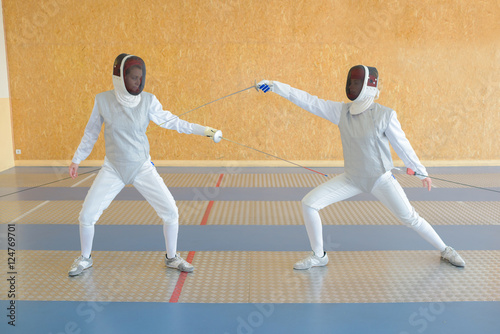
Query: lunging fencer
{"x":366,"y":129}
{"x":126,"y":112}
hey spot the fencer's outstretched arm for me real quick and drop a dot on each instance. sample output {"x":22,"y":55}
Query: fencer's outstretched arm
{"x":167,"y":120}
{"x":326,"y":109}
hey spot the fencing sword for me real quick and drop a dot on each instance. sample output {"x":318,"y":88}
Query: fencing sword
{"x":51,"y":182}
{"x":253,"y":86}
{"x":218,"y":135}
{"x":274,"y":156}
{"x":409,"y":171}
{"x":221,"y":98}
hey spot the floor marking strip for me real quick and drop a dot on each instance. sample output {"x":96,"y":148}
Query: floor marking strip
{"x":210,"y":204}
{"x":180,"y":281}
{"x":85,"y":179}
{"x":207,"y":213}
{"x":219,"y":181}
{"x":30,"y":211}
{"x":176,"y":294}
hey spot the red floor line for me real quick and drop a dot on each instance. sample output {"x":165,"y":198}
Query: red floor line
{"x":180,"y":281}
{"x":176,"y":294}
{"x":207,"y":213}
{"x":219,"y":181}
{"x":210,"y":204}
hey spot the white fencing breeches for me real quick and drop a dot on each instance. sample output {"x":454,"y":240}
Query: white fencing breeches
{"x":386,"y":189}
{"x":105,"y":188}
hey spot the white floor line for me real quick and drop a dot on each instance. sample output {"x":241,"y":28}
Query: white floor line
{"x":30,"y":211}
{"x":85,"y":179}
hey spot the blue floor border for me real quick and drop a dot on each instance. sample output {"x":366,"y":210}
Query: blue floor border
{"x":50,"y":317}
{"x":250,"y":237}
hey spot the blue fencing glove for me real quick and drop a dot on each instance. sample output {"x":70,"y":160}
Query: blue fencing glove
{"x":265,"y":85}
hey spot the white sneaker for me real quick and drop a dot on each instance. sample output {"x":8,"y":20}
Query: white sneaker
{"x":311,"y":261}
{"x":79,"y":265}
{"x":451,"y":255}
{"x":179,"y":263}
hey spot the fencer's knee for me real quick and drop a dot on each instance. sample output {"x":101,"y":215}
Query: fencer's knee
{"x":411,"y":221}
{"x":88,"y":217}
{"x":85,"y":221}
{"x":171,"y":218}
{"x":307,"y":203}
{"x":170,"y":222}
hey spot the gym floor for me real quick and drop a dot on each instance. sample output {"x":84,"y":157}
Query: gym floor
{"x":242,"y":229}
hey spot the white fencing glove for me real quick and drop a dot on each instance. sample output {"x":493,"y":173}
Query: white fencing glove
{"x":215,"y":134}
{"x":265,"y":85}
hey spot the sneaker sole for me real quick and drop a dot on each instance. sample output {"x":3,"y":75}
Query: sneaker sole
{"x":318,"y":265}
{"x":181,"y":270}
{"x":76,"y":274}
{"x":453,"y":264}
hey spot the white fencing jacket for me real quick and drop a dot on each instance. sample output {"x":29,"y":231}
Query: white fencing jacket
{"x":365,"y":137}
{"x":127,"y":146}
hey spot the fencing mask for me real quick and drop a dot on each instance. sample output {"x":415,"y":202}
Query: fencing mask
{"x":362,"y":87}
{"x":129,"y":77}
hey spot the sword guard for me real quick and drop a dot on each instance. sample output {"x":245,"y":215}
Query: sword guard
{"x":217,"y":136}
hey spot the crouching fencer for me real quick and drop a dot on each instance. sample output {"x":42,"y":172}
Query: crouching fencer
{"x":366,"y":129}
{"x":126,"y":112}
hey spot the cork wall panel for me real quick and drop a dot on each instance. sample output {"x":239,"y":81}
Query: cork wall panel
{"x":438,"y":63}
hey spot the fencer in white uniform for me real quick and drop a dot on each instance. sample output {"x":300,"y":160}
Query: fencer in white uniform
{"x":126,"y":112}
{"x":366,"y":129}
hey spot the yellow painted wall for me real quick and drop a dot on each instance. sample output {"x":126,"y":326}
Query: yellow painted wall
{"x":6,"y":144}
{"x":6,"y":148}
{"x":439,"y":63}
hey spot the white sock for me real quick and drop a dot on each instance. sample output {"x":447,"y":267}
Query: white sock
{"x":170,"y":233}
{"x":429,"y":234}
{"x":86,"y":239}
{"x":314,"y":229}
